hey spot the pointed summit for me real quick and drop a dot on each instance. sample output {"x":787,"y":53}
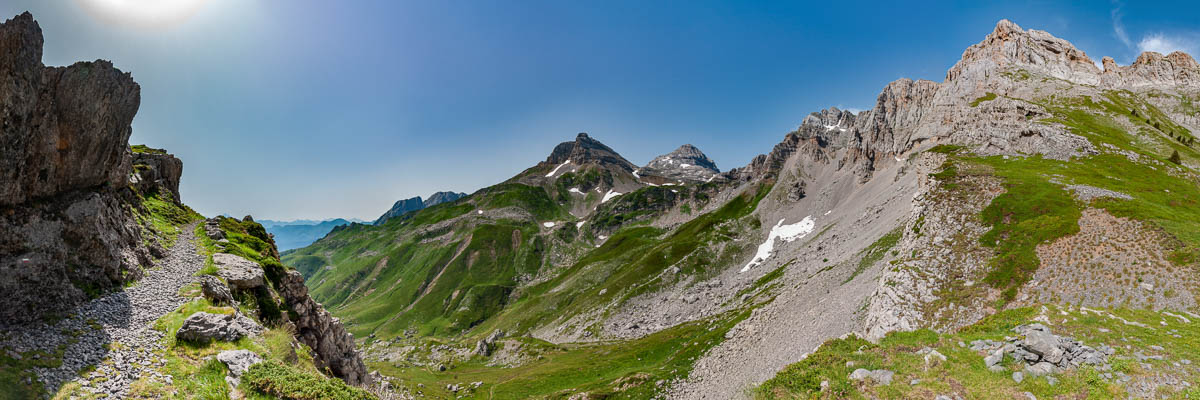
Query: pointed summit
{"x":686,"y":163}
{"x":585,"y":150}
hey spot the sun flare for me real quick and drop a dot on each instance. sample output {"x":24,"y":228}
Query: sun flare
{"x":142,"y":13}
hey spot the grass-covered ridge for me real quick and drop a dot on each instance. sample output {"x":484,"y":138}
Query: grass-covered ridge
{"x":466,"y":275}
{"x":198,"y":375}
{"x":141,"y":148}
{"x":964,"y":372}
{"x":635,"y":369}
{"x":274,"y":379}
{"x":1134,"y":140}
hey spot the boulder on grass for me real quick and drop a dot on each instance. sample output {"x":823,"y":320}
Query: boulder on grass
{"x":242,"y":274}
{"x":203,"y":327}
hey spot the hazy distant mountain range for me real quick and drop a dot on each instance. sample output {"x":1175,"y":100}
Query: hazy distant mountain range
{"x":300,"y":233}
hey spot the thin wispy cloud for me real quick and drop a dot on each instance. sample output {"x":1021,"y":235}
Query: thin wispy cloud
{"x":1159,"y":42}
{"x":1166,"y":44}
{"x":1119,"y":28}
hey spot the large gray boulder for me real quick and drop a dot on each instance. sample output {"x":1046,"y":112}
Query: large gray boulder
{"x":238,"y":362}
{"x":204,"y":327}
{"x":215,"y":291}
{"x":242,"y":274}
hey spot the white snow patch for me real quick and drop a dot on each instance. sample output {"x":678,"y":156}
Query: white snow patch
{"x":480,"y":212}
{"x":780,"y":231}
{"x":635,"y":174}
{"x":608,"y":196}
{"x":579,"y":224}
{"x":685,"y":165}
{"x":555,"y":170}
{"x":674,"y":191}
{"x":899,"y":159}
{"x":602,"y":237}
{"x":548,"y":224}
{"x":827,"y":212}
{"x":710,"y":179}
{"x":575,"y":190}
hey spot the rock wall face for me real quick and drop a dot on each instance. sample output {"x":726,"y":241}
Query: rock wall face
{"x":63,"y":128}
{"x":66,"y":231}
{"x":161,"y":169}
{"x":332,"y":346}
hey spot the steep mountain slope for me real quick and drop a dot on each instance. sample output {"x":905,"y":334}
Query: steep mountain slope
{"x":1028,"y":177}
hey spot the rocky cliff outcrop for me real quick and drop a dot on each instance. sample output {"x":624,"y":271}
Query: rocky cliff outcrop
{"x":66,"y":231}
{"x":974,"y":106}
{"x":332,"y":346}
{"x":64,"y":128}
{"x":1153,"y":69}
{"x":157,"y":169}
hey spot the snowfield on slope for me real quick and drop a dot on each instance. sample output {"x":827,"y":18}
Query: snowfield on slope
{"x":608,"y":196}
{"x":788,"y":233}
{"x":555,"y":170}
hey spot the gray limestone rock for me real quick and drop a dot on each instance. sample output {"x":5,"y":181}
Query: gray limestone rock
{"x":215,"y":291}
{"x":879,"y":376}
{"x":238,"y":362}
{"x":242,"y":274}
{"x":203,"y":327}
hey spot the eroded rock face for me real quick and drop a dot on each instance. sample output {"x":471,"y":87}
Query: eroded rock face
{"x":163,"y":170}
{"x":64,"y":128}
{"x":66,"y":231}
{"x":332,"y":346}
{"x":1153,"y":69}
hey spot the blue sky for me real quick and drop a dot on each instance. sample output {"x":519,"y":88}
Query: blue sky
{"x":321,"y":109}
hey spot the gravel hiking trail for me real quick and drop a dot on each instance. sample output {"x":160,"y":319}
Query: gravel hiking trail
{"x":113,"y":334}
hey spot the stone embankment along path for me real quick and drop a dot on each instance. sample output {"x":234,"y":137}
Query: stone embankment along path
{"x":113,"y":332}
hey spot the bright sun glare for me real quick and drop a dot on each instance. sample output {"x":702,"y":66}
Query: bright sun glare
{"x":142,"y":13}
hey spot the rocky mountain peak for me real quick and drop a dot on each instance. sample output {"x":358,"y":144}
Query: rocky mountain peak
{"x":443,"y":197}
{"x":1152,"y":69}
{"x":586,"y":150}
{"x":1039,"y":51}
{"x":685,"y":163}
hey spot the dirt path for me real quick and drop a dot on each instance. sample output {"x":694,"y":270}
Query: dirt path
{"x":113,"y":333}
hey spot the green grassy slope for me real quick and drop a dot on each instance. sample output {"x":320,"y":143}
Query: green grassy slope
{"x":449,"y":268}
